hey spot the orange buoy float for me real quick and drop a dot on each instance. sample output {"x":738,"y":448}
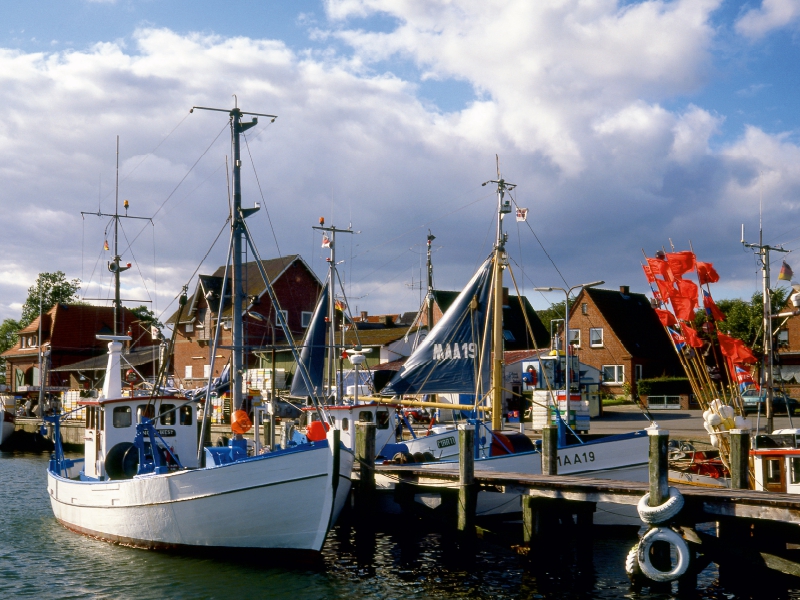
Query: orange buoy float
{"x":240,"y":422}
{"x":316,"y":431}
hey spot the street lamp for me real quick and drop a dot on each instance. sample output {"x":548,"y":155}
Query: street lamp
{"x":566,"y":330}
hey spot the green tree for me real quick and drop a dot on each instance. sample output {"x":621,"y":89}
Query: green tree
{"x":553,"y":312}
{"x":55,"y":289}
{"x":8,"y":338}
{"x":146,"y":317}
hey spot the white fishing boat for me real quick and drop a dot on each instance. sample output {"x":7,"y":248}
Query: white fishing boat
{"x":142,"y":481}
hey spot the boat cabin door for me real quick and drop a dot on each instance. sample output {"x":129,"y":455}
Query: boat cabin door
{"x":775,"y":473}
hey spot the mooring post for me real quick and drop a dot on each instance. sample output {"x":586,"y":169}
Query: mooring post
{"x":467,"y":493}
{"x":659,"y":465}
{"x":531,"y":524}
{"x":365,"y":457}
{"x":740,"y":459}
{"x":550,"y":450}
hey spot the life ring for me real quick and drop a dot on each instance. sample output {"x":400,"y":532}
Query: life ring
{"x":663,"y":534}
{"x":655,"y":515}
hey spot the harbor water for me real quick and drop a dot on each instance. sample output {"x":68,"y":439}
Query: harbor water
{"x":401,"y":558}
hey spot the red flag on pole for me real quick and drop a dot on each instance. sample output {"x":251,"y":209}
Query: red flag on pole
{"x":688,"y":289}
{"x":712,"y":310}
{"x":648,"y":272}
{"x":680,"y":262}
{"x":665,"y":289}
{"x":735,"y":349}
{"x":706,"y":273}
{"x":744,"y":354}
{"x":667,"y":318}
{"x":683,"y":307}
{"x":691,"y":336}
{"x":660,"y":267}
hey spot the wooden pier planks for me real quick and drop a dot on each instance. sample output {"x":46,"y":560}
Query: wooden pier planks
{"x":715,"y":502}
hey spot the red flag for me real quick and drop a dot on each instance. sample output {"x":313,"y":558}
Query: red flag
{"x":683,"y":307}
{"x":688,"y":289}
{"x":666,"y":317}
{"x":735,"y":349}
{"x":660,"y":267}
{"x":706,"y":273}
{"x":648,"y":272}
{"x":691,"y":337}
{"x":665,"y":289}
{"x":712,"y":310}
{"x":680,"y":262}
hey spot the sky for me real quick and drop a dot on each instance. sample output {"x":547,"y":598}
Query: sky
{"x":626,"y":125}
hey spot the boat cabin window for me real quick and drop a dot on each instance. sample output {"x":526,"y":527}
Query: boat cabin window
{"x":382,"y":416}
{"x":186,"y":415}
{"x":773,"y":470}
{"x":145,"y":410}
{"x":796,"y":469}
{"x":365,"y":416}
{"x":167,"y":414}
{"x":345,"y":424}
{"x":123,"y":416}
{"x":333,"y":420}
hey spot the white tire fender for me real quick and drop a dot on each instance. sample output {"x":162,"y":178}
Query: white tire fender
{"x":655,"y":515}
{"x":663,"y":534}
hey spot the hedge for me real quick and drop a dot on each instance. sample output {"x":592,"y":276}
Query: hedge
{"x":664,"y":386}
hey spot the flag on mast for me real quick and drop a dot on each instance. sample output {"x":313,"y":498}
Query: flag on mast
{"x":786,"y":273}
{"x":326,"y":242}
{"x":105,"y":247}
{"x":522,"y":214}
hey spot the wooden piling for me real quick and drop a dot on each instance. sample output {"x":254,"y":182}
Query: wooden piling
{"x":531,"y":514}
{"x":365,"y":457}
{"x":467,"y":490}
{"x":550,"y":450}
{"x":659,"y":466}
{"x":740,"y":459}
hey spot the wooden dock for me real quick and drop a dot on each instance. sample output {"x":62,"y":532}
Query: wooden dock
{"x":708,"y":501}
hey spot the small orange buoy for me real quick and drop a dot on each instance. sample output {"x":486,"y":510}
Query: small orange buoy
{"x":240,"y":422}
{"x":316,"y":431}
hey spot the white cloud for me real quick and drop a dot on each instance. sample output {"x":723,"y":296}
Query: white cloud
{"x":773,"y":14}
{"x":574,"y":96}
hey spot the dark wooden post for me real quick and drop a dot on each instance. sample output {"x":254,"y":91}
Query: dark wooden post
{"x":550,"y":450}
{"x":530,"y":519}
{"x":659,"y":466}
{"x":740,"y":459}
{"x":467,"y":493}
{"x":365,"y":457}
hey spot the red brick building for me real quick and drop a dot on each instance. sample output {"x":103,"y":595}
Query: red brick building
{"x":619,"y":333}
{"x":297,"y":289}
{"x":787,"y":353}
{"x":68,"y":336}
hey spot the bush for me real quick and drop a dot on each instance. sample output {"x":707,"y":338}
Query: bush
{"x":664,"y":386}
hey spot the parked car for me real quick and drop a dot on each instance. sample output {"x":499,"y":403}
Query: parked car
{"x":416,"y":415}
{"x":752,"y":399}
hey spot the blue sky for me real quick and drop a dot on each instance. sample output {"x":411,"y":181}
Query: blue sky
{"x":624,"y":124}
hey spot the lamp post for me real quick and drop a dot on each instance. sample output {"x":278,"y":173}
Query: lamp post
{"x":566,"y":330}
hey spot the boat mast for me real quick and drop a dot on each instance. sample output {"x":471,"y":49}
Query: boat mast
{"x":500,"y":262}
{"x":332,"y":354}
{"x":429,"y":299}
{"x":238,"y":233}
{"x":762,"y":251}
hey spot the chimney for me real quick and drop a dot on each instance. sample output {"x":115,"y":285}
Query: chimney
{"x":363,"y":316}
{"x":625,"y":289}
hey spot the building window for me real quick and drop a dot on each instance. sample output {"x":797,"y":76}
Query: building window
{"x":285,"y":314}
{"x":206,"y":371}
{"x":783,"y":338}
{"x":575,"y":338}
{"x":613,"y":374}
{"x":189,"y":328}
{"x":305,"y":319}
{"x":596,"y":337}
{"x":187,"y":372}
{"x":584,"y":309}
{"x":637,"y":372}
